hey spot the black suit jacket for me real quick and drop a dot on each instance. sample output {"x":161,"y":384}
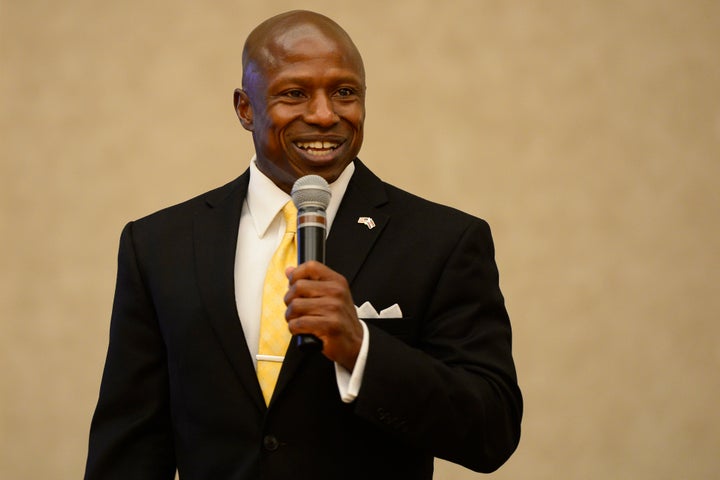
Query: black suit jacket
{"x":179,"y":387}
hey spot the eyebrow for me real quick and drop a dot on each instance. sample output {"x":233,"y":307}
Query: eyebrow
{"x":304,"y":79}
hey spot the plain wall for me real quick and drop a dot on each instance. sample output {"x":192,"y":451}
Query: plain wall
{"x":587,"y":133}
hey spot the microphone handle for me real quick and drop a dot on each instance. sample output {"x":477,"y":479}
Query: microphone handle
{"x":311,"y":246}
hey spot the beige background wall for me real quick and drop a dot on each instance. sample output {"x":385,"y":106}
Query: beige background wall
{"x":587,"y":133}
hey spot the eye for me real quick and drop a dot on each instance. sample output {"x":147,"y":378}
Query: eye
{"x":345,"y":92}
{"x":294,"y":93}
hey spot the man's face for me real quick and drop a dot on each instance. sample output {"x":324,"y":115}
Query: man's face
{"x":305,"y":104}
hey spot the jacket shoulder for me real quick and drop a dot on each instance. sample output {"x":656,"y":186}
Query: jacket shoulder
{"x":425,"y":212}
{"x":185,"y":211}
{"x":408,"y":207}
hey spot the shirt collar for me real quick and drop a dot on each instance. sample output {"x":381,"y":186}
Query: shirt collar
{"x":265,"y":199}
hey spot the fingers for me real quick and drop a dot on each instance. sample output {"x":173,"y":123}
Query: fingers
{"x":313,"y":279}
{"x":312,"y":270}
{"x":317,"y":291}
{"x":320,"y":303}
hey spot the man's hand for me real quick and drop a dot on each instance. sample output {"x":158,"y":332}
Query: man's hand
{"x":319,"y":302}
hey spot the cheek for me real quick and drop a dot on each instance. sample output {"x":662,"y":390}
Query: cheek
{"x":281,"y":116}
{"x":280,"y":124}
{"x":268,"y":128}
{"x":355,"y":116}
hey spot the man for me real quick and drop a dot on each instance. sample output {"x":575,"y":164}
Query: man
{"x":384,"y":395}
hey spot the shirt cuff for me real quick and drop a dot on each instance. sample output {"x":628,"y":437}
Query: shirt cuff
{"x":349,"y":383}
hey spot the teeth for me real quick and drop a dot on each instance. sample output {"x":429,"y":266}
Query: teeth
{"x":317,"y":145}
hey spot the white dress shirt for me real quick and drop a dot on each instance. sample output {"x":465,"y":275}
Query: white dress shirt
{"x":261,"y":228}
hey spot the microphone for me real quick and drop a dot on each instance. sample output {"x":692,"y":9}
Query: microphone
{"x":311,"y":196}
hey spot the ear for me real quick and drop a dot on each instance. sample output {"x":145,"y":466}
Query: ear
{"x":243,"y":109}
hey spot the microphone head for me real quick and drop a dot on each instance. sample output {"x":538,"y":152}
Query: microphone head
{"x":311,"y":191}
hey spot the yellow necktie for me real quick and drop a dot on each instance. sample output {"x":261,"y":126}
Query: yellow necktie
{"x":274,"y":333}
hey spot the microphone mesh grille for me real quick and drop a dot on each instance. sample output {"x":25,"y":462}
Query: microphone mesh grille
{"x":311,"y":190}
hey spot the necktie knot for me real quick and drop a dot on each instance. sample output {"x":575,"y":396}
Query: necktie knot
{"x":290,"y":213}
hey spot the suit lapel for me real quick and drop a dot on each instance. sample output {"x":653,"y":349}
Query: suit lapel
{"x":350,"y":242}
{"x":215,"y":238}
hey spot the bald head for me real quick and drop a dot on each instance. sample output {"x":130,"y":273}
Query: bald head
{"x":278,"y":35}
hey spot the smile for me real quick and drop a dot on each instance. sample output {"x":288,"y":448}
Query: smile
{"x":317,"y":147}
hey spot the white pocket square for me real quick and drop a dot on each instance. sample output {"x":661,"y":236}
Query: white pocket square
{"x":366,"y":310}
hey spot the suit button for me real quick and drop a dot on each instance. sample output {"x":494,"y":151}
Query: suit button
{"x":271,"y":443}
{"x":383,"y":415}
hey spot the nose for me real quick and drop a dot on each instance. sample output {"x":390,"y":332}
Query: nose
{"x":321,"y":111}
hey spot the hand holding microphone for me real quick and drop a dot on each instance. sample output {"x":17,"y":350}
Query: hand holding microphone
{"x":311,"y":196}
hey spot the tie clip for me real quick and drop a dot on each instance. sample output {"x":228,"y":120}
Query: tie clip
{"x":269,"y":358}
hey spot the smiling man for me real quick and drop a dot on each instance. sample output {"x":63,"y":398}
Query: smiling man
{"x":189,"y":383}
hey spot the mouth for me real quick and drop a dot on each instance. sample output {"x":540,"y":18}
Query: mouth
{"x":318,"y":148}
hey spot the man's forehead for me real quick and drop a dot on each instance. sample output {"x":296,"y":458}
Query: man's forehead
{"x":299,"y":41}
{"x":295,"y":35}
{"x":293,"y":23}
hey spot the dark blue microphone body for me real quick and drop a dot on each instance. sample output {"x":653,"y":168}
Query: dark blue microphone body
{"x":311,"y":233}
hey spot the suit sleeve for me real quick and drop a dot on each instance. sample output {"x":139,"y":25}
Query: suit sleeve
{"x":454,"y":393}
{"x":130,"y":434}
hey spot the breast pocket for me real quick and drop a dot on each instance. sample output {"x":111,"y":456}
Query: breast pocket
{"x":403,"y":328}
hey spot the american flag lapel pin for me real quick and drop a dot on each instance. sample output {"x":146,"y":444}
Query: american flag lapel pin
{"x":367,"y":221}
